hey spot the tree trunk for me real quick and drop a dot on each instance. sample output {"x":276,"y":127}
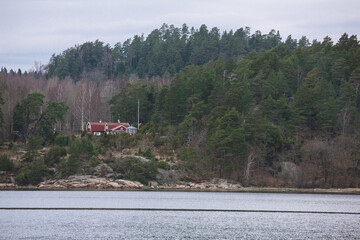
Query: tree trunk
{"x":250,"y":161}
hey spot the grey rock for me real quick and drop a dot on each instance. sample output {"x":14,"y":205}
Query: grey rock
{"x":142,"y":159}
{"x":218,"y":181}
{"x":103,"y":168}
{"x":153,"y":184}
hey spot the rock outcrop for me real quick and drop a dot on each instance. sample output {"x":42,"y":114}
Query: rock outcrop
{"x":89,"y":182}
{"x":7,"y":186}
{"x":213,"y":185}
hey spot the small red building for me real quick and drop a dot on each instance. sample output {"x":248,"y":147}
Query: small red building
{"x":97,"y":128}
{"x":118,"y":127}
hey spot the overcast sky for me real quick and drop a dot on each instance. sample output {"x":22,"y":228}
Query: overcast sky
{"x":32,"y":30}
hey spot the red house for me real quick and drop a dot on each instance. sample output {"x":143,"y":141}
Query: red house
{"x":118,"y":127}
{"x":97,"y":128}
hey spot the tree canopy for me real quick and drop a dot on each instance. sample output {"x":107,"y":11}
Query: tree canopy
{"x":31,"y":118}
{"x":166,"y":50}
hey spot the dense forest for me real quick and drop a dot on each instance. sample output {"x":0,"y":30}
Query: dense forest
{"x":164,"y":51}
{"x":234,"y":105}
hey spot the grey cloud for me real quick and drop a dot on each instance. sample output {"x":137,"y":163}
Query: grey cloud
{"x":40,"y":28}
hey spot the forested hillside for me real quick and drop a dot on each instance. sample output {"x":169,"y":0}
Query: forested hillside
{"x":241,"y":106}
{"x":164,"y":51}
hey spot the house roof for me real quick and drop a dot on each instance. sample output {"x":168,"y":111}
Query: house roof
{"x":97,"y":126}
{"x":113,"y":125}
{"x":101,"y":126}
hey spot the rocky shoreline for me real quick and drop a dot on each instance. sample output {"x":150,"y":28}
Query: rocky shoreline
{"x":90,"y":182}
{"x":93,"y":183}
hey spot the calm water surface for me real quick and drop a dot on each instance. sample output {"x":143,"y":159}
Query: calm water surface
{"x":125,"y":224}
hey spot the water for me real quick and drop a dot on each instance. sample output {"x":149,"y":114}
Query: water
{"x":141,"y":224}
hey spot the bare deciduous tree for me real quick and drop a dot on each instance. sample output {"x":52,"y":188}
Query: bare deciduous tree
{"x":81,"y":103}
{"x":249,"y":165}
{"x":344,"y":120}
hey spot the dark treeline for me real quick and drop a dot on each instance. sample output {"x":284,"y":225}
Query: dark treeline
{"x":164,"y":51}
{"x":245,"y":107}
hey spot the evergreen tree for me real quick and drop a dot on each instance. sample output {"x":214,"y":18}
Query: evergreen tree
{"x":30,"y":118}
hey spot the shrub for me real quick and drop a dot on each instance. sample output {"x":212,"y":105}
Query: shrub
{"x":62,"y":140}
{"x":21,"y":179}
{"x":165,"y":150}
{"x":188,"y":157}
{"x":148,"y":154}
{"x":5,"y":163}
{"x":54,"y":155}
{"x":104,"y":140}
{"x":13,"y":147}
{"x":125,"y":140}
{"x":35,"y":143}
{"x":158,"y":141}
{"x":163,"y":165}
{"x":32,"y":173}
{"x":100,"y":149}
{"x":69,"y":166}
{"x":135,"y":170}
{"x":111,"y":159}
{"x":83,"y":133}
{"x":84,"y":148}
{"x":94,"y":161}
